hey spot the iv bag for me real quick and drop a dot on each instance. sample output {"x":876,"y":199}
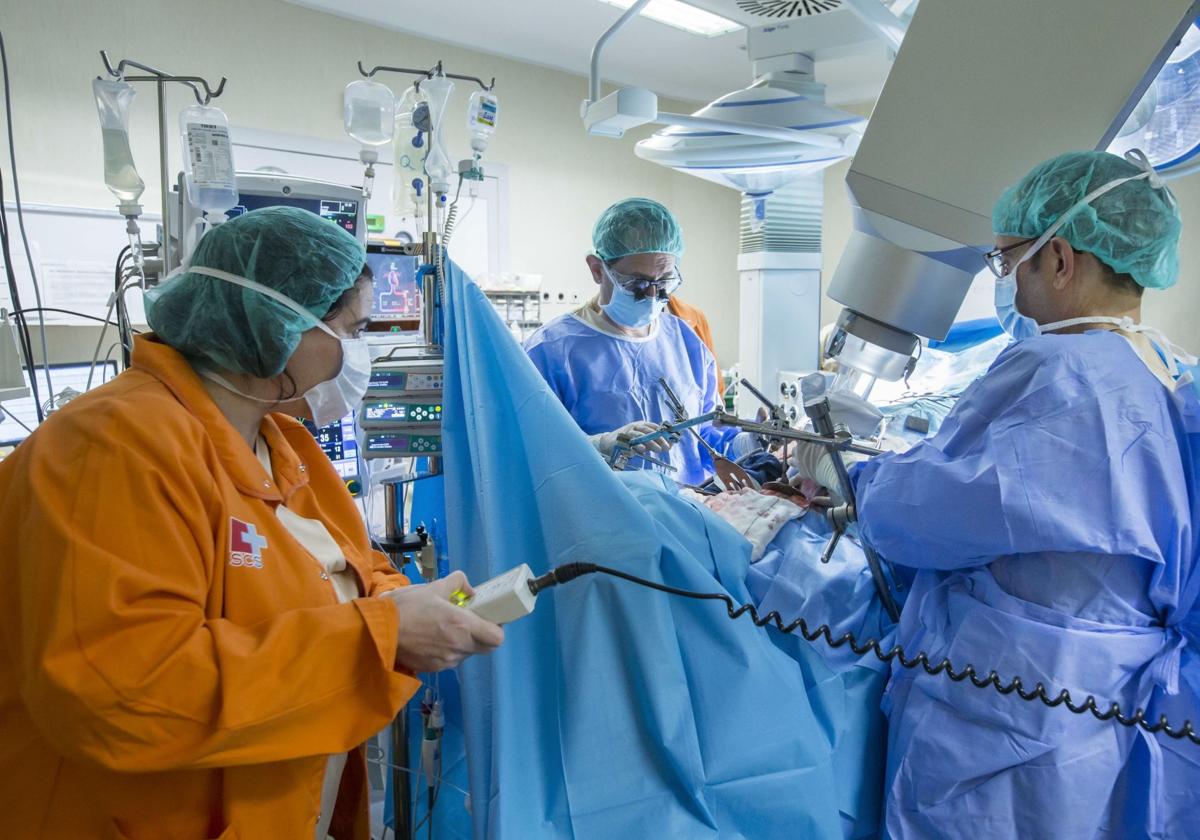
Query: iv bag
{"x":407,"y":149}
{"x":368,"y":109}
{"x":113,"y":99}
{"x":437,"y":161}
{"x":208,"y":159}
{"x":481,"y":119}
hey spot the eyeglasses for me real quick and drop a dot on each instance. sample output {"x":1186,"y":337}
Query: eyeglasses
{"x":997,"y":260}
{"x":644,"y":287}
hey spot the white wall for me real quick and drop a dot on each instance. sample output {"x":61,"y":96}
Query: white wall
{"x":1174,"y":311}
{"x":287,"y":67}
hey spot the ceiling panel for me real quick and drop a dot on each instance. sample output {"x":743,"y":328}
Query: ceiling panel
{"x":560,"y":34}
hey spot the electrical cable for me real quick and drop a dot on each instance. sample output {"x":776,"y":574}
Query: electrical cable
{"x":432,"y":797}
{"x":100,"y":342}
{"x":10,"y":416}
{"x":124,"y":331}
{"x":12,"y":157}
{"x":118,"y":284}
{"x":95,"y":318}
{"x":26,"y":344}
{"x":452,"y":213}
{"x":108,"y":357}
{"x":121,"y":280}
{"x":570,"y":571}
{"x":387,"y":765}
{"x":383,"y":764}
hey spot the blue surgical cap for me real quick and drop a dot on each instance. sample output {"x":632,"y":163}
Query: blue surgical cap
{"x":636,"y":226}
{"x":218,"y":324}
{"x":1133,"y":228}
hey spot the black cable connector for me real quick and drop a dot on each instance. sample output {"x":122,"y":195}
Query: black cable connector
{"x":566,"y":573}
{"x":569,"y":571}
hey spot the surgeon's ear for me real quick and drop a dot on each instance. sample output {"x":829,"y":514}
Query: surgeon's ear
{"x":597,"y":267}
{"x":1061,"y":257}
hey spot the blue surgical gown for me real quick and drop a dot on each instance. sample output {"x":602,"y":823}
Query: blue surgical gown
{"x":606,"y":382}
{"x":1053,"y":523}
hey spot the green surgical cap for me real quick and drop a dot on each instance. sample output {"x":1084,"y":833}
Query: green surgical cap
{"x":1133,"y":228}
{"x":218,"y":324}
{"x":636,"y":226}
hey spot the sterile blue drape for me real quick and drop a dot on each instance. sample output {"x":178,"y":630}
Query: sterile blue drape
{"x":613,"y":711}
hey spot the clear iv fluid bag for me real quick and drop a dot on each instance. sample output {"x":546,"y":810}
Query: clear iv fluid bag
{"x":407,"y":151}
{"x":113,"y":100}
{"x":368,"y":110}
{"x":208,"y":159}
{"x":481,"y":119}
{"x":437,"y":161}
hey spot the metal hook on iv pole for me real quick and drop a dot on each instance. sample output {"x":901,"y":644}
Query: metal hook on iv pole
{"x":160,"y":80}
{"x":118,"y":72}
{"x":436,"y":70}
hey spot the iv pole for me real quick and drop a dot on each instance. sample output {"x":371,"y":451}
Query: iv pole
{"x":161,"y":79}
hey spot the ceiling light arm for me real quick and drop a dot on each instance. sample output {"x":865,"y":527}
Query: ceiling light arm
{"x":791,"y":135}
{"x":594,"y":78}
{"x":1190,"y":167}
{"x":887,"y":27}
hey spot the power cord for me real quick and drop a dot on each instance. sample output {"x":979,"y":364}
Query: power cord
{"x":569,"y":571}
{"x":26,"y":343}
{"x":16,"y":184}
{"x":95,"y":318}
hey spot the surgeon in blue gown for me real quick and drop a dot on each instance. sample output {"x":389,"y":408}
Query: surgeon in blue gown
{"x":604,"y":360}
{"x":1052,"y":522}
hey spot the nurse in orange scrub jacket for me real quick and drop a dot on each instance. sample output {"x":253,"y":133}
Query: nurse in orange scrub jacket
{"x":196,"y":637}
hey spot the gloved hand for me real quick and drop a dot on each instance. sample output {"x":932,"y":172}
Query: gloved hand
{"x":605,"y":442}
{"x":815,"y":462}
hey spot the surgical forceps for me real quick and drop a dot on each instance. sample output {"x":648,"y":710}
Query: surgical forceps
{"x":730,"y":476}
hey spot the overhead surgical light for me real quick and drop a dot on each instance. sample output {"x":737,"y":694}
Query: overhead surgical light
{"x":812,"y":137}
{"x":756,"y":139}
{"x":1166,"y":122}
{"x":683,"y":16}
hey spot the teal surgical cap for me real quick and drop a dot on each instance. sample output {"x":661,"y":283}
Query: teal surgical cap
{"x":1133,"y":228}
{"x":636,"y":226}
{"x":217,"y":324}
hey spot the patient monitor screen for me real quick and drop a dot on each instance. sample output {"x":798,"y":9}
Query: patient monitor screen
{"x":397,"y":294}
{"x":344,"y":214}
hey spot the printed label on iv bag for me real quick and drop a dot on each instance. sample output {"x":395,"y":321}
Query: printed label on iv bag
{"x":209,"y":151}
{"x":487,"y":113}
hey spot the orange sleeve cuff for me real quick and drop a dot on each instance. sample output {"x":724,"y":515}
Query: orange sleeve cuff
{"x":383,"y":623}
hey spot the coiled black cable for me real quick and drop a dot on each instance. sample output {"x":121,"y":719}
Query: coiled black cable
{"x":569,"y":571}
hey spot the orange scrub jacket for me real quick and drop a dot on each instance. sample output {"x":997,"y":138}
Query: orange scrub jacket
{"x":695,"y":318}
{"x":172,"y":663}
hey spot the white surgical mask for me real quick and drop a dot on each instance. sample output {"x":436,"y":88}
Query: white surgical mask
{"x":330,"y":400}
